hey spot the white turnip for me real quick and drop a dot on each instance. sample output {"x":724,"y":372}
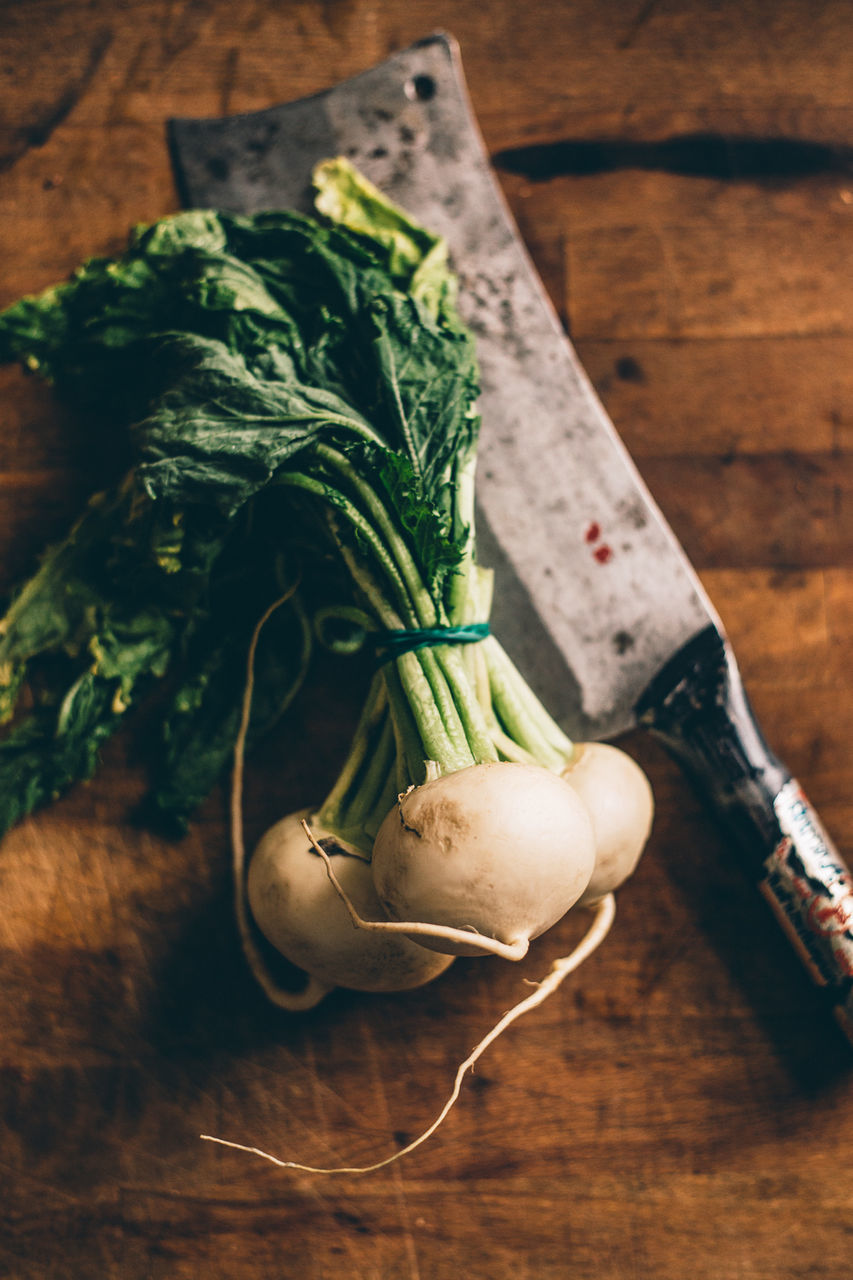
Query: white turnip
{"x":618,"y":797}
{"x":298,"y":910}
{"x":500,"y":850}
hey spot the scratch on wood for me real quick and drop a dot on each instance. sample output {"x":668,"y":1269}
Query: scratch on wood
{"x":775,"y":161}
{"x":181,"y":28}
{"x":641,"y":18}
{"x":38,"y":133}
{"x":229,"y":79}
{"x":396,"y":1172}
{"x":654,"y":978}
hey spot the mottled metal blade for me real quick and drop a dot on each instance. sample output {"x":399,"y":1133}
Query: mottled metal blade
{"x":593,"y":592}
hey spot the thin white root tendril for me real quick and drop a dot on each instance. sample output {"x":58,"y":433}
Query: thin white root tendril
{"x":313,"y":991}
{"x":595,"y":935}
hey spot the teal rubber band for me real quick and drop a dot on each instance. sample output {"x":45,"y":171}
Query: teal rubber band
{"x":391,"y":644}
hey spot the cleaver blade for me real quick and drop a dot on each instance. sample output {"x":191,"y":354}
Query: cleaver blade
{"x":594,"y":598}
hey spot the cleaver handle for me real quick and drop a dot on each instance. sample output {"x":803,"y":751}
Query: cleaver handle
{"x":698,"y":707}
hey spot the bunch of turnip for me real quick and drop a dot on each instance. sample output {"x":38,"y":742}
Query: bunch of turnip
{"x":475,"y":860}
{"x":464,"y":820}
{"x":300,"y":396}
{"x":479,"y":860}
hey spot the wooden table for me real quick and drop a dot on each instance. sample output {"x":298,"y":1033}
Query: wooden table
{"x":682,"y":1108}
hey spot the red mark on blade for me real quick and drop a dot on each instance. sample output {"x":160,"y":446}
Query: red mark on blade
{"x":602,"y":553}
{"x":593,"y":533}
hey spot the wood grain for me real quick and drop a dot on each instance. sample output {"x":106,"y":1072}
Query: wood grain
{"x":679,"y":1109}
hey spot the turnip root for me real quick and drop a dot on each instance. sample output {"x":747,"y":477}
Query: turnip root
{"x":501,"y":850}
{"x":298,"y":910}
{"x":619,"y":800}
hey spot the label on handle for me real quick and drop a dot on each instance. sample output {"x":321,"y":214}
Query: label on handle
{"x":811,"y":893}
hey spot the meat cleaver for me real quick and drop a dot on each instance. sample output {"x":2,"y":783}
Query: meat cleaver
{"x":594,"y":599}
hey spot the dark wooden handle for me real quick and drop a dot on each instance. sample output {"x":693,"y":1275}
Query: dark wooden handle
{"x":698,"y":707}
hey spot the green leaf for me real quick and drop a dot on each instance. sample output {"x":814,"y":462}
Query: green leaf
{"x":415,"y":258}
{"x":201,"y":725}
{"x":43,"y":755}
{"x":229,"y":350}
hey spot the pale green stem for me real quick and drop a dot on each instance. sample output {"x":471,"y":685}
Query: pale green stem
{"x":422,"y":601}
{"x":520,"y":716}
{"x":375,"y":706}
{"x":366,"y":531}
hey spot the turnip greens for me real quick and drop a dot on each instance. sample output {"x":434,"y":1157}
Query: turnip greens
{"x":299,"y":396}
